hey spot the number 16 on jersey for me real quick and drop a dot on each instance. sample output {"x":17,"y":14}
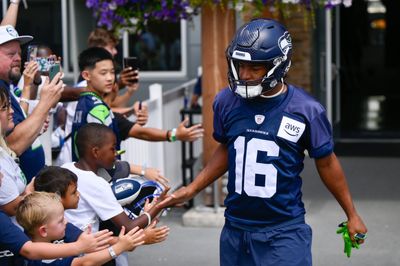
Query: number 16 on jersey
{"x":245,"y":178}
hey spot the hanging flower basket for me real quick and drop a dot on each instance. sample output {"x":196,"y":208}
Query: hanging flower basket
{"x":134,"y":15}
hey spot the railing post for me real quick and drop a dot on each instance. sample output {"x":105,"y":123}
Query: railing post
{"x":156,"y":94}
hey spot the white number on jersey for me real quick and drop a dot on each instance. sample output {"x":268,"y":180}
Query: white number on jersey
{"x":252,"y":167}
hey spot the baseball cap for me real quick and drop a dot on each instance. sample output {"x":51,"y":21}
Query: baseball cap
{"x":8,"y":33}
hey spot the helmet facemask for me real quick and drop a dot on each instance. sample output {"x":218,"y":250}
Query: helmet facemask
{"x":248,"y":89}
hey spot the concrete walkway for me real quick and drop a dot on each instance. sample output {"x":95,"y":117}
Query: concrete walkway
{"x":375,"y":186}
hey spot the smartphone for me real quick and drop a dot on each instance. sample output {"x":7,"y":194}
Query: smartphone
{"x":54,"y":69}
{"x":31,"y":52}
{"x":132,"y":62}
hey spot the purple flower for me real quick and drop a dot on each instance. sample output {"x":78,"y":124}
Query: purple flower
{"x":118,"y":14}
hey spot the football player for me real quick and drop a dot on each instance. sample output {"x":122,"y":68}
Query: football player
{"x":263,"y":126}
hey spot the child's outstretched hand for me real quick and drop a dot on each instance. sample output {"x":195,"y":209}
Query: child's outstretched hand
{"x":149,"y":204}
{"x":88,"y":242}
{"x":155,"y":175}
{"x":155,"y":234}
{"x":130,"y":240}
{"x":192,"y":133}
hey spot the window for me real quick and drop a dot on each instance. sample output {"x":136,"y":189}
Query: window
{"x":161,"y":49}
{"x":64,"y":25}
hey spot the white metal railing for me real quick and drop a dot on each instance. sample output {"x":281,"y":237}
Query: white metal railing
{"x":164,"y":114}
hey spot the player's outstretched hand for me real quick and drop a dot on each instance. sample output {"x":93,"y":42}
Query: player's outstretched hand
{"x":192,"y":133}
{"x":177,"y":198}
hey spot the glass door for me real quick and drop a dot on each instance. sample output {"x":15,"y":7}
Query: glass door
{"x":368,"y":61}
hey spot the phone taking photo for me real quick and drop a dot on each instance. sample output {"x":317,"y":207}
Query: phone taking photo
{"x":132,"y":62}
{"x":54,"y":69}
{"x":31,"y":52}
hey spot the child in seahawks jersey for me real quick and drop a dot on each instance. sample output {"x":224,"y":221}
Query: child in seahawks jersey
{"x":42,"y":216}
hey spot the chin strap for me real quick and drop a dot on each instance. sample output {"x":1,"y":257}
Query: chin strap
{"x":276,"y":94}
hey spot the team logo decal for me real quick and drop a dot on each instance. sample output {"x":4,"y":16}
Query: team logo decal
{"x":291,"y":129}
{"x":12,"y":31}
{"x":285,"y":43}
{"x":259,"y":119}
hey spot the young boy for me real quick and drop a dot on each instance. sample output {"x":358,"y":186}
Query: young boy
{"x":97,"y":68}
{"x":96,"y":149}
{"x":61,"y":181}
{"x":41,"y":214}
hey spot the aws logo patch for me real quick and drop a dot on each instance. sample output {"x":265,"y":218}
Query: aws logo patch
{"x":291,"y":129}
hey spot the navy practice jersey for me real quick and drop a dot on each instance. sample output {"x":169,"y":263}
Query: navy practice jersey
{"x":266,"y":139}
{"x":92,"y":109}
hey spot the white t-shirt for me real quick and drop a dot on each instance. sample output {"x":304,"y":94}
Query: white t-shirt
{"x":14,"y":182}
{"x":97,"y":201}
{"x":65,"y":155}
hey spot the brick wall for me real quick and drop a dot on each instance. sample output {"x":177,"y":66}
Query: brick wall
{"x":300,"y":29}
{"x":300,"y":72}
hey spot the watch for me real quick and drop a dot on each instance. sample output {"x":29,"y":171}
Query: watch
{"x":112,"y":252}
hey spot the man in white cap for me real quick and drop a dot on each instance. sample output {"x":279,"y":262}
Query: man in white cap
{"x":23,"y":139}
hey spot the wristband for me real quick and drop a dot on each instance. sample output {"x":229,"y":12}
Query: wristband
{"x":167,"y":136}
{"x":143,"y":171}
{"x":112,"y":253}
{"x":148,"y":218}
{"x":172,"y":138}
{"x":23,"y":100}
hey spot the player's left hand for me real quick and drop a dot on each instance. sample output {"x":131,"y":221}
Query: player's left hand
{"x":192,"y":133}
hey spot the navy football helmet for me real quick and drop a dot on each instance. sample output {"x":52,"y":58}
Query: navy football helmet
{"x":261,"y":41}
{"x":149,"y":190}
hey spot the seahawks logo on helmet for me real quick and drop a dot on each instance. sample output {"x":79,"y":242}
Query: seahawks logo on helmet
{"x":285,"y":43}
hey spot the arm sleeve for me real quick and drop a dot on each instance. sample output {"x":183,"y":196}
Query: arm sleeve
{"x":320,"y":143}
{"x":9,"y":190}
{"x":219,"y":132}
{"x":124,"y":125}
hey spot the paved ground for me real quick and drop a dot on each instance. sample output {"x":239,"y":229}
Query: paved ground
{"x":375,"y":185}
